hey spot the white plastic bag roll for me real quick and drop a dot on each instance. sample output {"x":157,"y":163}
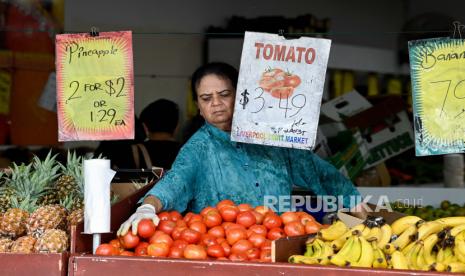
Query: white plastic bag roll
{"x":97,"y":206}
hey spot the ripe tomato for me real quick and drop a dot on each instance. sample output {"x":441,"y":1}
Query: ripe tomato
{"x":190,"y":236}
{"x":199,"y":227}
{"x":257,"y":229}
{"x":220,"y":240}
{"x":224,"y":203}
{"x":235,"y":234}
{"x":146,"y":228}
{"x":158,"y":249}
{"x":272,"y":221}
{"x":141,"y":249}
{"x":181,"y":223}
{"x":176,"y":252}
{"x":212,"y":219}
{"x":126,"y":253}
{"x":241,"y":246}
{"x":164,"y":216}
{"x":215,"y":251}
{"x":266,"y":245}
{"x":179,"y":244}
{"x":244,"y":207}
{"x":167,"y":226}
{"x":217,"y":231}
{"x":265,"y":255}
{"x":262,"y":210}
{"x":229,"y":213}
{"x":226,"y":248}
{"x":129,"y":240}
{"x":253,"y":254}
{"x":312,"y":227}
{"x":238,"y":257}
{"x":282,"y":92}
{"x":305,"y":217}
{"x":106,"y":249}
{"x":208,"y":240}
{"x":117,"y":244}
{"x":187,"y":217}
{"x":294,"y":228}
{"x":275,"y":233}
{"x":257,"y":240}
{"x":227,"y":224}
{"x":207,"y":209}
{"x":175,"y":216}
{"x":292,"y":80}
{"x":162,"y":238}
{"x":195,"y":218}
{"x":287,"y":217}
{"x":176,"y":234}
{"x":246,"y":219}
{"x":195,"y":252}
{"x":258,"y":217}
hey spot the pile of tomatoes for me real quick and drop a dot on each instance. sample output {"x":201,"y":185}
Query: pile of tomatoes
{"x":225,"y":232}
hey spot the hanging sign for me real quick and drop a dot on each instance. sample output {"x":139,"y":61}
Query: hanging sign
{"x":438,"y":89}
{"x":95,"y":86}
{"x":279,"y":90}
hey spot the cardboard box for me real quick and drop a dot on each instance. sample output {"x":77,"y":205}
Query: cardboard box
{"x":377,"y":176}
{"x":321,"y":145}
{"x":345,"y":106}
{"x":385,"y":128}
{"x":351,"y":154}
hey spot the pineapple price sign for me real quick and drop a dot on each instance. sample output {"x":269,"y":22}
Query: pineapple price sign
{"x":438,"y":90}
{"x":279,"y":90}
{"x":95,"y":86}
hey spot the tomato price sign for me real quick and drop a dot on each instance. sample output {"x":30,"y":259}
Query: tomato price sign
{"x":279,"y":90}
{"x":95,"y":86}
{"x":438,"y":89}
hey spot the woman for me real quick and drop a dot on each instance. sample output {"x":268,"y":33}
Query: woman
{"x":210,"y":167}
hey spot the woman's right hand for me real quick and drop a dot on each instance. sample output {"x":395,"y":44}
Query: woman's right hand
{"x":145,"y":211}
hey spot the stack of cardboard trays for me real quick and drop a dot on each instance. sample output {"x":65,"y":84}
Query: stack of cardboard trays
{"x":361,"y":136}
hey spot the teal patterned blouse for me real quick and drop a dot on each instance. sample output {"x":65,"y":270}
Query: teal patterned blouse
{"x":210,"y":167}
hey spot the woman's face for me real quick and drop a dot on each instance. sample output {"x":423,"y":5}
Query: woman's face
{"x":215,"y":97}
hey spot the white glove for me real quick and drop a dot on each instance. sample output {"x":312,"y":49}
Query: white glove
{"x":145,"y":211}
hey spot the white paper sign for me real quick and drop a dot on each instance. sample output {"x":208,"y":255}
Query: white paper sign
{"x":279,"y":90}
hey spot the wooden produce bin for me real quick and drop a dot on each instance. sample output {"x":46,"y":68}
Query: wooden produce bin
{"x":34,"y":264}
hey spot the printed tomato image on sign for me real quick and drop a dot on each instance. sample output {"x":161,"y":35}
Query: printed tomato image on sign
{"x":278,"y":83}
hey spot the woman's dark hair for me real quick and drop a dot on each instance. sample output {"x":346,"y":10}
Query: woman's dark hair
{"x":220,"y":69}
{"x":161,"y":116}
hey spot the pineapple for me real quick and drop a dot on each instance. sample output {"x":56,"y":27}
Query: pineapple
{"x":44,"y":175}
{"x":13,"y":223}
{"x":76,"y":217}
{"x":46,"y":217}
{"x":5,"y":245}
{"x":71,"y":179}
{"x":52,"y":241}
{"x":24,"y":244}
{"x":6,"y":192}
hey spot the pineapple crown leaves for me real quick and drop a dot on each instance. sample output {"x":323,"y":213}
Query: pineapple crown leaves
{"x":27,"y":204}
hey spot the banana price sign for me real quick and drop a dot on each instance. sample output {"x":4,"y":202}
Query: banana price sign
{"x":279,"y":90}
{"x":95,"y":86}
{"x":438,"y":89}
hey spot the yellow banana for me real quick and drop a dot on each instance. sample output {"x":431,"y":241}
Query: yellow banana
{"x":366,"y":256}
{"x":356,"y":251}
{"x":398,"y":260}
{"x":428,"y":244}
{"x":379,"y":259}
{"x":428,"y":228}
{"x":386,"y":233}
{"x":440,"y":267}
{"x":458,"y":248}
{"x":309,"y":252}
{"x":340,"y":258}
{"x":316,"y":248}
{"x":300,"y":259}
{"x":421,"y":262}
{"x":457,"y":230}
{"x":448,"y":256}
{"x":333,"y":232}
{"x":412,"y":256}
{"x":373,"y":234}
{"x":451,"y":221}
{"x":339,"y":242}
{"x":408,"y":248}
{"x":326,"y":253}
{"x":440,"y":256}
{"x":456,"y":267}
{"x":401,"y":224}
{"x":405,"y":238}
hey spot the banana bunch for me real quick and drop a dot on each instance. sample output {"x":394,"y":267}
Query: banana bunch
{"x":318,"y":252}
{"x":356,"y":251}
{"x":333,"y":232}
